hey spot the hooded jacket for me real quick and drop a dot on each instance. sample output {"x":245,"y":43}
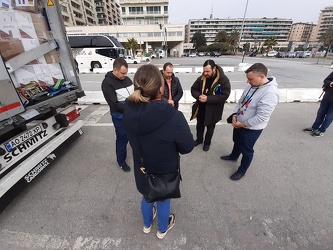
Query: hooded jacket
{"x":216,"y":97}
{"x":260,"y":103}
{"x":157,"y":134}
{"x":176,"y":90}
{"x":115,"y":92}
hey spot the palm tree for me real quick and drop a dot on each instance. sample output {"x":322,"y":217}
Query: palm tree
{"x":270,"y":42}
{"x":132,"y":45}
{"x":233,"y":38}
{"x":327,"y":39}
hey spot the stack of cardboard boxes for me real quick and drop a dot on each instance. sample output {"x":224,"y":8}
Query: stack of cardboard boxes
{"x":22,"y":29}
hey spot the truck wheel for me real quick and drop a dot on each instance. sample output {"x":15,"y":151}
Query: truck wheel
{"x":96,"y":65}
{"x":135,"y":62}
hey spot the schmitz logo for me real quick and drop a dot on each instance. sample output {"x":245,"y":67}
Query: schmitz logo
{"x":39,"y":168}
{"x":24,"y":146}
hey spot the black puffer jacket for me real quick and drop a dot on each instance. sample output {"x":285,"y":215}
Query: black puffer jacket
{"x":216,"y":97}
{"x":176,"y":90}
{"x":158,"y":131}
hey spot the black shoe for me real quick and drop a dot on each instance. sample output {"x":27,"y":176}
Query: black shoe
{"x":205,"y":147}
{"x":125,"y":168}
{"x":310,"y":130}
{"x":236,"y":176}
{"x":196,"y":143}
{"x":228,"y":158}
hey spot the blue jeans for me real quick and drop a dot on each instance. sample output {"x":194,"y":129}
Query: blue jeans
{"x":324,"y":115}
{"x":163,"y":213}
{"x":121,"y":141}
{"x":244,"y":140}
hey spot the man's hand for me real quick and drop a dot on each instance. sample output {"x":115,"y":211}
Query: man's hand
{"x":237,"y":124}
{"x":202,"y":98}
{"x":171,"y":102}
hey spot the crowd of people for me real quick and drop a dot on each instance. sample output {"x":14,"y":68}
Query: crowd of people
{"x":145,"y":114}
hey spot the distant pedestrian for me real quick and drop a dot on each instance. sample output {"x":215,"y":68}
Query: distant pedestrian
{"x":158,"y":134}
{"x":173,"y":91}
{"x":251,"y":115}
{"x":211,"y":90}
{"x":116,"y":87}
{"x":325,"y":112}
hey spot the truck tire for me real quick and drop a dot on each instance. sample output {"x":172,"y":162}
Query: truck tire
{"x":135,"y":62}
{"x":96,"y":65}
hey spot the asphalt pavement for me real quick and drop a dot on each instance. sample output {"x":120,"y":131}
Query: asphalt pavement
{"x":85,"y":201}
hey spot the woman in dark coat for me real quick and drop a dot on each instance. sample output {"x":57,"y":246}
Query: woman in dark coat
{"x":157,"y":134}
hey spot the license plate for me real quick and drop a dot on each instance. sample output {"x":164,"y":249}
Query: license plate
{"x":10,"y":145}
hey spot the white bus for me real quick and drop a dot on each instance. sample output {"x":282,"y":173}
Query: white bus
{"x":95,"y":51}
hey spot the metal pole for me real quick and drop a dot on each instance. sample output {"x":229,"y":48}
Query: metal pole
{"x":166,"y":42}
{"x":241,"y":33}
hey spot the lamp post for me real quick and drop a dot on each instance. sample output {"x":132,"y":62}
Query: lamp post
{"x":165,"y":43}
{"x":241,"y":32}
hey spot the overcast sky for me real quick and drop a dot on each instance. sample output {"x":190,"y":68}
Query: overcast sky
{"x":180,"y":11}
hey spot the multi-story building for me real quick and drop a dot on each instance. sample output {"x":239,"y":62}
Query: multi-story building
{"x":325,"y":21}
{"x":108,"y":12}
{"x":253,"y":30}
{"x":90,"y":12}
{"x":302,"y":32}
{"x":144,"y":12}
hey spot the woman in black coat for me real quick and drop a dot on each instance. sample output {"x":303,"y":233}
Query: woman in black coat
{"x":157,"y":134}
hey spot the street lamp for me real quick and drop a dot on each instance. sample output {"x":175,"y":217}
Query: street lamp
{"x":241,"y":33}
{"x":165,"y":43}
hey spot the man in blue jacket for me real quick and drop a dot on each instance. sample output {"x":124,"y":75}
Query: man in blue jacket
{"x":325,"y":112}
{"x":116,"y":87}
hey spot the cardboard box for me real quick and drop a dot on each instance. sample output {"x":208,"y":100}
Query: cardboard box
{"x":43,"y":74}
{"x":24,"y":75}
{"x":41,"y":28}
{"x":56,"y":72}
{"x":11,"y":48}
{"x":25,"y":5}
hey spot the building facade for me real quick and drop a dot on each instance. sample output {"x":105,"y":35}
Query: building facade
{"x":254,"y":30}
{"x":302,"y":32}
{"x":144,"y":12}
{"x":90,"y":12}
{"x":325,"y":22}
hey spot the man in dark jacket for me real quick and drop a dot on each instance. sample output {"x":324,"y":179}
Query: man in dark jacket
{"x":325,"y":112}
{"x":116,"y":87}
{"x":211,"y":90}
{"x":173,"y":91}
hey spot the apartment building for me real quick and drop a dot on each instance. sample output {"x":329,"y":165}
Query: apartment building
{"x":90,"y":12}
{"x":144,"y":12}
{"x":302,"y":32}
{"x":325,"y":21}
{"x":255,"y":30}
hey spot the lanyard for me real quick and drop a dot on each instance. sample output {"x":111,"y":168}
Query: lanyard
{"x":244,"y":103}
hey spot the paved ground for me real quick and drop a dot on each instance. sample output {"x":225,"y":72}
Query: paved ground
{"x":86,"y":202}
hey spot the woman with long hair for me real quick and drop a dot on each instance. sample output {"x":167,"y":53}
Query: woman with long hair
{"x":158,"y":134}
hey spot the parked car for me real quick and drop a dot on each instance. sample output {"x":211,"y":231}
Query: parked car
{"x":303,"y":54}
{"x":272,"y":53}
{"x":185,"y":54}
{"x":215,"y":54}
{"x":280,"y":55}
{"x":193,"y":55}
{"x":130,"y":59}
{"x":201,"y":54}
{"x":252,"y":54}
{"x":291,"y":54}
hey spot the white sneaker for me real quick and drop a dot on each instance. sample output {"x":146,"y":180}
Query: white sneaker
{"x":147,"y":230}
{"x":172,"y":218}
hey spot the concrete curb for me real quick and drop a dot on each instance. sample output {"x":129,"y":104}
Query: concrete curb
{"x":286,"y":95}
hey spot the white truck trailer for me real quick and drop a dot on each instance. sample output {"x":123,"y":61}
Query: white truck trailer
{"x":38,"y":88}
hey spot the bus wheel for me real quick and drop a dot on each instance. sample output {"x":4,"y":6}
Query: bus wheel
{"x":135,"y":62}
{"x":96,"y":65}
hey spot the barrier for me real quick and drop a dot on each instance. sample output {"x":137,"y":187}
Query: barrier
{"x":286,"y":95}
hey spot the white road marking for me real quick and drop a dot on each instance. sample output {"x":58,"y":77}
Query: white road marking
{"x":95,"y":116}
{"x":44,"y":241}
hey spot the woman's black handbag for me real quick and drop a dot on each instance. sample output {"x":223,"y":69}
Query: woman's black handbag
{"x":162,"y":187}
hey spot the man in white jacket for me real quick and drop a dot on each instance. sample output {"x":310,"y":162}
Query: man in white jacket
{"x":251,"y":115}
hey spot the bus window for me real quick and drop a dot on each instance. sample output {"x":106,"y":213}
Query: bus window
{"x":112,"y":53}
